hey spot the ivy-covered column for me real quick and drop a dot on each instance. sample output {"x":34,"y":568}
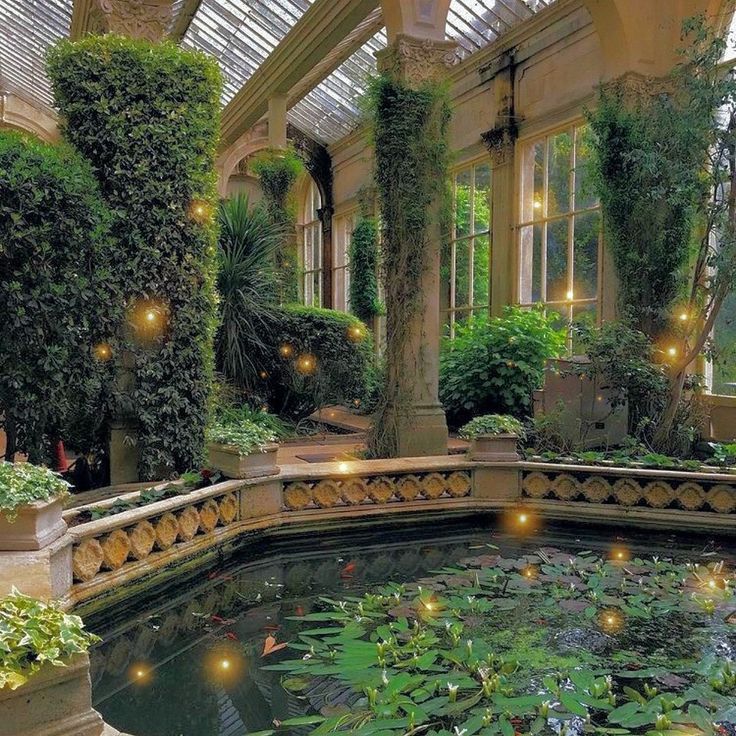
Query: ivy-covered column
{"x":411,"y":114}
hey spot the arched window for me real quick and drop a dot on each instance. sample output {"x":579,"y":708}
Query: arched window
{"x":311,"y":250}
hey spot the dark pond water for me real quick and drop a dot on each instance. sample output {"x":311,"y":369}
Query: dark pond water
{"x":189,"y":660}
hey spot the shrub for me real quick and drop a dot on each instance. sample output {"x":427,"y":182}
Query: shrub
{"x":363,"y":259}
{"x":146,"y":117}
{"x":57,"y":294}
{"x":493,"y":365}
{"x":318,"y":357}
{"x":34,"y":633}
{"x":490,"y":424}
{"x":246,"y":435}
{"x":247,"y":283}
{"x":23,"y":483}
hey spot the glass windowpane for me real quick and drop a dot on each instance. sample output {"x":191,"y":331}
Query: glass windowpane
{"x":557,"y":289}
{"x":586,"y":247}
{"x":560,"y":164}
{"x":481,"y":270}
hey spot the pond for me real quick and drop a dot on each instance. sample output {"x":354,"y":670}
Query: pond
{"x":484,"y":628}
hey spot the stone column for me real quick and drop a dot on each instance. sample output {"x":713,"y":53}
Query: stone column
{"x":423,"y":431}
{"x":501,"y":141}
{"x":277,"y":121}
{"x":149,"y":19}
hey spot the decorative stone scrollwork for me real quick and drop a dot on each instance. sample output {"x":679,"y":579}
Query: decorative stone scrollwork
{"x":297,"y":496}
{"x":459,"y":484}
{"x":147,"y":19}
{"x":326,"y":494}
{"x":596,"y":489}
{"x":408,"y":488}
{"x":228,"y":507}
{"x":188,"y":519}
{"x":381,"y":489}
{"x":658,"y":494}
{"x":500,"y":142}
{"x":433,"y":485}
{"x":722,"y":499}
{"x":354,"y":491}
{"x":166,"y":530}
{"x":142,"y":538}
{"x":209,"y":515}
{"x":87,"y":559}
{"x":566,"y":487}
{"x":626,"y":491}
{"x":417,"y":61}
{"x":115,"y":549}
{"x":536,"y":485}
{"x":690,"y":496}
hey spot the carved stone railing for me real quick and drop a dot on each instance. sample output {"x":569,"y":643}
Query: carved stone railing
{"x":631,"y":487}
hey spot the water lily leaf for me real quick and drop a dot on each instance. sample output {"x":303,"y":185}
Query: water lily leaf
{"x":571,"y":704}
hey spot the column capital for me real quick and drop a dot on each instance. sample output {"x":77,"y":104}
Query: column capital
{"x":634,"y":88}
{"x":500,"y":142}
{"x":417,"y":61}
{"x":148,"y":19}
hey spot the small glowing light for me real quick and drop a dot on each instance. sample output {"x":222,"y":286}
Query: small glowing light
{"x":684,"y":317}
{"x":619,"y":554}
{"x":611,"y":621}
{"x":200,"y":211}
{"x":140,"y":673}
{"x":570,"y":294}
{"x":672,"y":352}
{"x":306,"y":363}
{"x":529,"y":572}
{"x":225,"y":664}
{"x":537,"y":204}
{"x":285,"y":351}
{"x":712,"y":583}
{"x":151,"y":315}
{"x":523,"y":518}
{"x":599,"y":398}
{"x":102,"y":351}
{"x":263,"y":375}
{"x":343,"y":467}
{"x":149,"y":318}
{"x":355,"y":333}
{"x":429,"y":605}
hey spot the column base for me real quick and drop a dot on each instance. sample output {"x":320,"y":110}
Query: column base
{"x":424,"y":432}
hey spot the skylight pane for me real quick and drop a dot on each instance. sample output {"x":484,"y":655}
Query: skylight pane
{"x":241,"y":34}
{"x":27,"y":29}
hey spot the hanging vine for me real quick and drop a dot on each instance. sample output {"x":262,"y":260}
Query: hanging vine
{"x":363,"y":259}
{"x":410,"y":140}
{"x":278,"y":170}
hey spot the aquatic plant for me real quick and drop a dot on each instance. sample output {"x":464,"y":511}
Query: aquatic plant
{"x":546,"y":643}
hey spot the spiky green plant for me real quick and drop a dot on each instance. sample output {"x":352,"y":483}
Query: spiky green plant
{"x":248,"y":283}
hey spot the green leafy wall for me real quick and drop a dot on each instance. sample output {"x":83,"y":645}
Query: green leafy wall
{"x":146,"y":116}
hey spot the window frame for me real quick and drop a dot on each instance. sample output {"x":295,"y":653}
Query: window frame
{"x":450,"y":313}
{"x":310,"y":228}
{"x":525,"y":173}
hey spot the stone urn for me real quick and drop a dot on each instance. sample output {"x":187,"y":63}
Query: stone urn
{"x":31,"y":527}
{"x":55,"y":700}
{"x":494,"y":448}
{"x":229,"y":460}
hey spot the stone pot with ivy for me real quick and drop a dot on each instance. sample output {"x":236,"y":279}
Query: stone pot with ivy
{"x":242,"y":450}
{"x":493,"y":438}
{"x":31,"y":504}
{"x":44,"y":678}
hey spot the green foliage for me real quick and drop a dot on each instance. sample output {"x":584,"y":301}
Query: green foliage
{"x":247,"y":283}
{"x":490,"y":424}
{"x":246,"y":435}
{"x":623,"y":359}
{"x":278,"y":170}
{"x":363,"y":259}
{"x":23,"y":483}
{"x":33,"y":633}
{"x":493,"y":365}
{"x":338,"y":350}
{"x":58,"y":296}
{"x":646,"y":166}
{"x":410,"y":141}
{"x":146,"y":116}
{"x":547,"y":433}
{"x":498,"y":645}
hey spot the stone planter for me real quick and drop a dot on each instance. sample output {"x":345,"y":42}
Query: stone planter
{"x":35,"y":526}
{"x":228,"y":460}
{"x":56,"y":701}
{"x":494,"y":448}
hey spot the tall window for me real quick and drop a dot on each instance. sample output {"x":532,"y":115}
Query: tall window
{"x":466,"y":261}
{"x":559,"y":231}
{"x":311,"y":248}
{"x":342,"y":232}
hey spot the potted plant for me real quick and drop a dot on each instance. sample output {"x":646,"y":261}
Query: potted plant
{"x":31,"y":499}
{"x":242,"y":450}
{"x":44,"y":670}
{"x":493,"y":438}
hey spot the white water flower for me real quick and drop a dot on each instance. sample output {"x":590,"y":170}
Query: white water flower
{"x":460,"y":731}
{"x":384,"y":677}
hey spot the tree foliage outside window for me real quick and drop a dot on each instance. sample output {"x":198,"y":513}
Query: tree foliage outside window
{"x":146,"y":117}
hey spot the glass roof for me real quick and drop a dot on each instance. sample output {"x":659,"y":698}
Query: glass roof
{"x":27,"y":29}
{"x":240,"y":34}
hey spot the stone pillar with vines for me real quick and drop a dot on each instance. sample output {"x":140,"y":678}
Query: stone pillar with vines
{"x":411,"y":113}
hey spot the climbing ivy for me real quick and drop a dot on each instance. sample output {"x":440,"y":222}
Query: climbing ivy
{"x":409,"y":129}
{"x":278,"y":170}
{"x":363,"y":259}
{"x":146,"y":117}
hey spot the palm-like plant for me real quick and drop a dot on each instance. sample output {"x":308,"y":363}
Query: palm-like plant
{"x":248,"y":284}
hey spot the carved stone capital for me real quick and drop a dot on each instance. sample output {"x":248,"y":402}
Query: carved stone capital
{"x":500,"y":143}
{"x":149,"y":19}
{"x":634,"y":88}
{"x":416,"y":61}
